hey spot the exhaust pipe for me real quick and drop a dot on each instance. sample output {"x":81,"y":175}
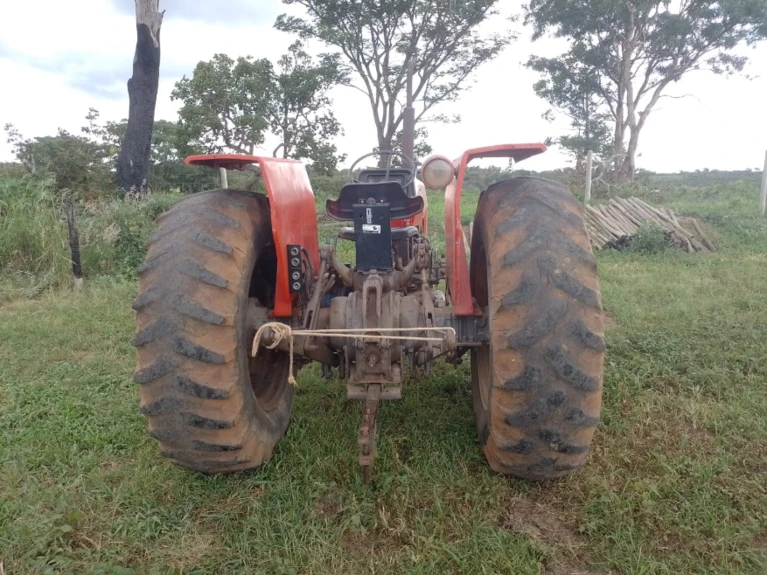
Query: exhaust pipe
{"x":408,"y":121}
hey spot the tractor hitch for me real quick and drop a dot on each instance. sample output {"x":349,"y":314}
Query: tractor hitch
{"x":364,"y":323}
{"x":366,"y":436}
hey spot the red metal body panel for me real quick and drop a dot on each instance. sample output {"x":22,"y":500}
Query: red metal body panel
{"x":228,"y":161}
{"x":293,"y":212}
{"x":458,"y":287}
{"x":421,"y":221}
{"x":418,"y":220}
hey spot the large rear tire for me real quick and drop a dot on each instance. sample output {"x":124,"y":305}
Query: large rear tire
{"x":210,"y":405}
{"x":538,"y":383}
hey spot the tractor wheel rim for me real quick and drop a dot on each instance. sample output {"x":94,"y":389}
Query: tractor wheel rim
{"x":483,"y":356}
{"x":269,"y":370}
{"x":485,"y":375}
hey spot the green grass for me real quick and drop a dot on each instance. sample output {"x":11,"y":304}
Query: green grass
{"x":34,"y":245}
{"x":32,"y":233}
{"x":676,"y":483}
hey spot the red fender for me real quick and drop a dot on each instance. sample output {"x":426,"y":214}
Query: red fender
{"x":458,"y":286}
{"x":293,"y":212}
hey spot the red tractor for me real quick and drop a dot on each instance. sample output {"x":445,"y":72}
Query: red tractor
{"x":236,"y":293}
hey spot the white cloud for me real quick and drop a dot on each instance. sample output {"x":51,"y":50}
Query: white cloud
{"x":56,"y":61}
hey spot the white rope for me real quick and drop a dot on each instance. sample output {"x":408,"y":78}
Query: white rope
{"x":283,"y":331}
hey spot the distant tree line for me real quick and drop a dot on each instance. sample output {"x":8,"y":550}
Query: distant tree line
{"x":86,"y":162}
{"x":620,"y":58}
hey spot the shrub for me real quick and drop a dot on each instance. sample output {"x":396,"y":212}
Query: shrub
{"x":325,"y":187}
{"x":114,"y":234}
{"x":649,"y":239}
{"x":77,"y":162}
{"x":32,"y":232}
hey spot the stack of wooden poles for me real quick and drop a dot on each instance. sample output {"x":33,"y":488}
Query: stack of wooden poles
{"x":612,"y":225}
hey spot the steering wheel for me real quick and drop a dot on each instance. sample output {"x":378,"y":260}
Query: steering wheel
{"x":410,"y":164}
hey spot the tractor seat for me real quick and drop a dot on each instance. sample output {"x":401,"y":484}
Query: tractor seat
{"x":396,"y":233}
{"x":401,"y":206}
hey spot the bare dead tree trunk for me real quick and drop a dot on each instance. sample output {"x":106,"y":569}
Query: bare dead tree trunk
{"x":133,"y":161}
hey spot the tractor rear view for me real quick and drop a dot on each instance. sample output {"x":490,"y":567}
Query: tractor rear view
{"x":236,"y":295}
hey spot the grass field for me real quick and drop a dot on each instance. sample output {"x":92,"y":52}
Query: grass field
{"x":677,"y":481}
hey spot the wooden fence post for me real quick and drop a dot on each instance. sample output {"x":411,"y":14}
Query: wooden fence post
{"x":763,"y":194}
{"x":587,"y":193}
{"x":74,"y":244}
{"x":224,"y":180}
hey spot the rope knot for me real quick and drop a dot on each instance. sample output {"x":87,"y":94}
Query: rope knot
{"x":281,"y":331}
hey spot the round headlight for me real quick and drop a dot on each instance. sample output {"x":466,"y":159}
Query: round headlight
{"x":437,"y":172}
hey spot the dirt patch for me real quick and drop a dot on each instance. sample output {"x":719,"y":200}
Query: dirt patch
{"x":569,"y":570}
{"x":544,"y":523}
{"x":327,"y":508}
{"x":358,"y":543}
{"x":381,"y":544}
{"x":759,"y":542}
{"x":670,"y":543}
{"x":190,"y":550}
{"x":700,"y":435}
{"x":609,"y":320}
{"x":539,"y":521}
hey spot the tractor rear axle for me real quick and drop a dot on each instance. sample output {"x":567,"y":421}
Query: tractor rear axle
{"x":374,"y":321}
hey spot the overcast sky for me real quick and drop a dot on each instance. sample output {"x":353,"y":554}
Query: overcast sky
{"x":58,"y":58}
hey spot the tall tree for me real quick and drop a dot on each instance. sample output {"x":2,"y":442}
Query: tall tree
{"x":628,"y":52}
{"x":299,"y":112}
{"x":234,"y":105}
{"x":133,"y":161}
{"x":378,"y":39}
{"x":225,"y":104}
{"x":571,"y":88}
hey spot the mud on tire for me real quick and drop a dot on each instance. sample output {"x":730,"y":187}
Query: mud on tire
{"x":538,"y":384}
{"x":210,"y":406}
